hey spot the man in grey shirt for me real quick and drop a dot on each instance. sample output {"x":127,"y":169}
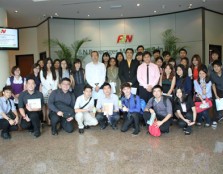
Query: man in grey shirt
{"x":162,"y":107}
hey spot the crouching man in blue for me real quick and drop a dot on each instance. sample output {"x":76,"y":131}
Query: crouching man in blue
{"x":30,"y":106}
{"x":107,"y":108}
{"x":162,"y":107}
{"x":8,"y":114}
{"x":131,"y":109}
{"x":61,"y":104}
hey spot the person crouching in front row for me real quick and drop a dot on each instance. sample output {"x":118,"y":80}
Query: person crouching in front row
{"x":61,"y":104}
{"x":8,"y":114}
{"x":131,"y":109}
{"x":162,"y":107}
{"x":107,"y":108}
{"x":85,"y":110}
{"x":30,"y":106}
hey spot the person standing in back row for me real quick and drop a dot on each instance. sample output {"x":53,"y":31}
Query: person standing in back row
{"x":148,"y":75}
{"x":95,"y":74}
{"x":128,"y":69}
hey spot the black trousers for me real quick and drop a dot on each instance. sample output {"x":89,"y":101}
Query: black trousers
{"x":164,"y":127}
{"x":6,"y":127}
{"x":183,"y":124}
{"x":55,"y":119}
{"x":34,"y":121}
{"x":144,"y":94}
{"x":129,"y":119}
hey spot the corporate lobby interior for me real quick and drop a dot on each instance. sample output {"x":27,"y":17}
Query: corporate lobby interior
{"x":111,"y":86}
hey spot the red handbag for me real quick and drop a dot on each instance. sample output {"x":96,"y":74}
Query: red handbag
{"x":199,"y":105}
{"x":154,"y":130}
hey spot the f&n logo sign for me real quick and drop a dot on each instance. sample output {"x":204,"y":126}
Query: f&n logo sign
{"x":124,"y":38}
{"x":2,"y":31}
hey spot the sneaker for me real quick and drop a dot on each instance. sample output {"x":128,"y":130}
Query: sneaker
{"x":198,"y":124}
{"x":207,"y":125}
{"x":187,"y":133}
{"x":214,"y":124}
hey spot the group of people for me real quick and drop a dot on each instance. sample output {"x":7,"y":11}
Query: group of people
{"x":103,"y":92}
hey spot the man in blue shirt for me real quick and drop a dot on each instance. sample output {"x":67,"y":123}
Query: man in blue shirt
{"x":8,"y":114}
{"x":131,"y":109}
{"x":162,"y":107}
{"x":107,"y":108}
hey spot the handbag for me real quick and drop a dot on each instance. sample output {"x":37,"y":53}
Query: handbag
{"x":200,"y":106}
{"x":154,"y":130}
{"x":10,"y":114}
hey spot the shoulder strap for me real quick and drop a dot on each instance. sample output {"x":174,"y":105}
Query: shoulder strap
{"x":11,"y":78}
{"x":86,"y":103}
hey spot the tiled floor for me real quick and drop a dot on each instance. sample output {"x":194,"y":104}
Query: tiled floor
{"x":108,"y":151}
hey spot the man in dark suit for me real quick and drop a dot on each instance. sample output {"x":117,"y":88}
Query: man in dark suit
{"x":128,"y":69}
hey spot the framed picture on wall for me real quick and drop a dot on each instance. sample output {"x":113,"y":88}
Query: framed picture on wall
{"x":216,"y":48}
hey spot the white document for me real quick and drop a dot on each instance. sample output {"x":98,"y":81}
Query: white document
{"x":34,"y":103}
{"x":134,"y":90}
{"x":113,"y":85}
{"x":108,"y":109}
{"x":219,"y":104}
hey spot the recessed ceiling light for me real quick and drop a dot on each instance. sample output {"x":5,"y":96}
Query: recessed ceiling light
{"x":16,"y":11}
{"x":88,"y":15}
{"x":154,"y":11}
{"x":99,"y":7}
{"x":56,"y":14}
{"x":163,"y":6}
{"x":138,"y":5}
{"x":121,"y":14}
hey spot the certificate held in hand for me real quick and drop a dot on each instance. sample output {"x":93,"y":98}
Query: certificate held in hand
{"x":34,"y":103}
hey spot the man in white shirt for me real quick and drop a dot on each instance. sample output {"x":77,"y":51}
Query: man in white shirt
{"x":107,"y":108}
{"x":95,"y":74}
{"x":85,"y":111}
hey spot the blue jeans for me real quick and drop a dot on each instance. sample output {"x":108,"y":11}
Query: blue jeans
{"x":205,"y":115}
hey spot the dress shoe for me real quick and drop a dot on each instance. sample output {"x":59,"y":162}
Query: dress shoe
{"x":103,"y":127}
{"x":135,"y":132}
{"x":5,"y":135}
{"x":37,"y":134}
{"x":54,"y":132}
{"x":87,"y":127}
{"x":81,"y":131}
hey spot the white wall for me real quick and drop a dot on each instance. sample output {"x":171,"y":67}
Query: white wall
{"x":146,"y":31}
{"x":27,"y":45}
{"x":42,"y":38}
{"x":31,"y":41}
{"x":213,"y":31}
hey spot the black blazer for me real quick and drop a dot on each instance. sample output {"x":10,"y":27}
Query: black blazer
{"x":127,"y":74}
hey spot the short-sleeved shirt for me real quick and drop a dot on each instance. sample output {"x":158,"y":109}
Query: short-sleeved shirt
{"x":5,"y":106}
{"x":160,"y":107}
{"x":112,"y":99}
{"x":217,"y":80}
{"x":189,"y":104}
{"x":25,"y":95}
{"x":81,"y":101}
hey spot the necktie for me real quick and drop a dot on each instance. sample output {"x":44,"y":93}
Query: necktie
{"x":147,"y":74}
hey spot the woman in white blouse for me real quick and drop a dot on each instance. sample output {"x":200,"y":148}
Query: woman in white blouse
{"x":49,"y":82}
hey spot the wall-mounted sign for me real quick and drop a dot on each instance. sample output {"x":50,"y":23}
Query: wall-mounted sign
{"x":124,"y":38}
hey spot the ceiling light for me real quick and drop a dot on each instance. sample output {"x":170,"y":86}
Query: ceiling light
{"x":99,"y":7}
{"x":88,"y":15}
{"x":204,"y":0}
{"x":16,"y":11}
{"x":56,"y":14}
{"x":190,"y":5}
{"x":163,"y":6}
{"x":138,"y":5}
{"x":154,"y":11}
{"x":121,"y":14}
{"x":115,"y":6}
